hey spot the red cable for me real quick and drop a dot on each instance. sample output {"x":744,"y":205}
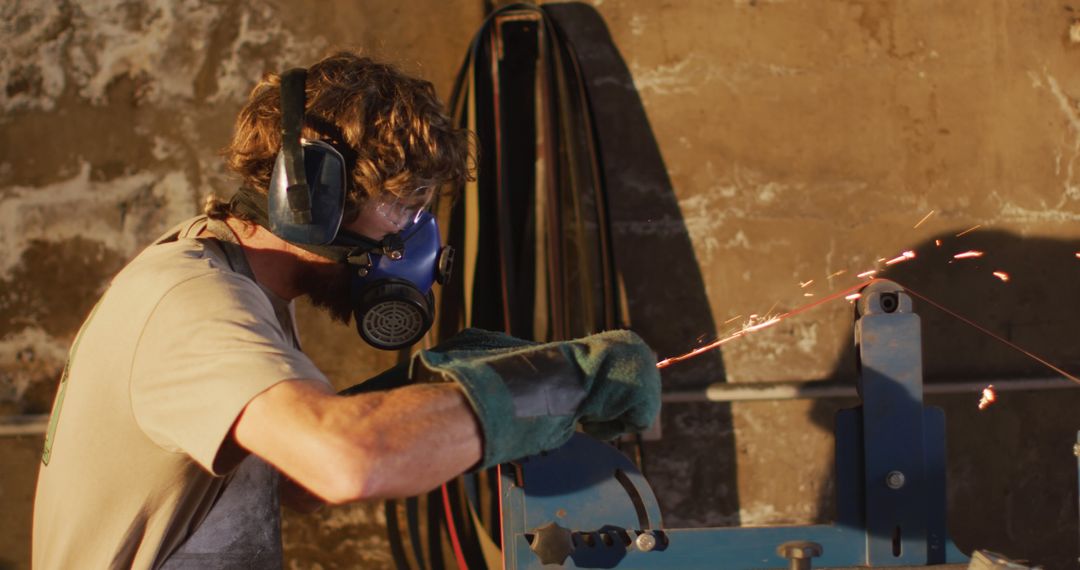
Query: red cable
{"x":502,"y":527}
{"x":452,"y":530}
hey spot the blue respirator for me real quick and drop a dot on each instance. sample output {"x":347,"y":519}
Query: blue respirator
{"x":391,"y":284}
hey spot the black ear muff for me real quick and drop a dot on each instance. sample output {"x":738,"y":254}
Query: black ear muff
{"x":307,"y":185}
{"x":394,"y":314}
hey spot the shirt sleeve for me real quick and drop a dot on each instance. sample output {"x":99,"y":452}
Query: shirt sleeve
{"x":209,"y":347}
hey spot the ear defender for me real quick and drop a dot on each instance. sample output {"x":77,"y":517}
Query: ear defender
{"x":307,"y":186}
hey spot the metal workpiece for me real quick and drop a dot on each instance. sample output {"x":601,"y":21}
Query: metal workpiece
{"x":986,"y":560}
{"x":890,"y":483}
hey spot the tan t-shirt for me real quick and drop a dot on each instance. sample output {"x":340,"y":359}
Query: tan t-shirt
{"x":168,"y":359}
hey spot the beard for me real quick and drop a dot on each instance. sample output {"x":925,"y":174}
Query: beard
{"x":328,"y":286}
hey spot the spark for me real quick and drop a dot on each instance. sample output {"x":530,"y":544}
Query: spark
{"x":968,"y":255}
{"x":969,"y":230}
{"x":880,"y":259}
{"x":937,"y":242}
{"x":753,"y":326}
{"x":807,"y":284}
{"x":749,"y":327}
{"x":867,"y":273}
{"x":733,"y":319}
{"x":926,"y":217}
{"x":988,"y":397}
{"x":1002,"y":275}
{"x":765,"y":324}
{"x":1078,"y":254}
{"x":902,"y":257}
{"x":843,"y":271}
{"x":807,"y":294}
{"x":853,"y":296}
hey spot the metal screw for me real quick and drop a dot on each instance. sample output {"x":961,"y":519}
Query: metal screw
{"x":895,"y":480}
{"x":645,"y":542}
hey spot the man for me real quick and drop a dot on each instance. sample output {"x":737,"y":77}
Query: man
{"x":189,"y":367}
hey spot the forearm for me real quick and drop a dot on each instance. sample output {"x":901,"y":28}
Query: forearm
{"x":374,"y":445}
{"x":415,"y":438}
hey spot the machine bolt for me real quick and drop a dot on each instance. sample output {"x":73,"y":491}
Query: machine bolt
{"x":645,"y":542}
{"x":799,"y":553}
{"x":895,"y":480}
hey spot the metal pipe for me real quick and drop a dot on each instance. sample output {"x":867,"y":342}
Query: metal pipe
{"x":24,"y":425}
{"x":818,"y":389}
{"x":718,"y":392}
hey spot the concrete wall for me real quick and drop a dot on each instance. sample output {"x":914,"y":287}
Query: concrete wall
{"x":799,"y":138}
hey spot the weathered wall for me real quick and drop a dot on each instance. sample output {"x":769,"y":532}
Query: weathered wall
{"x":800,"y":138}
{"x":807,"y":138}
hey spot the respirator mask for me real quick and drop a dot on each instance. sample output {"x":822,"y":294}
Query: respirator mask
{"x":391,"y":279}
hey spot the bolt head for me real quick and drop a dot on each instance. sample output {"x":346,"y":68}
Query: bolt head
{"x":799,"y":550}
{"x":645,"y":542}
{"x":395,"y":255}
{"x":895,"y":480}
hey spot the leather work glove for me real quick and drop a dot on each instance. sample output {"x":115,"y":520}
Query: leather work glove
{"x":529,"y":397}
{"x":471,"y":339}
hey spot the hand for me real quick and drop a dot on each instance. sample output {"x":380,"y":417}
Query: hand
{"x":529,"y":397}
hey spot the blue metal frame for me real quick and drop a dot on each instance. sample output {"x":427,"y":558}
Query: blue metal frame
{"x":890,"y":481}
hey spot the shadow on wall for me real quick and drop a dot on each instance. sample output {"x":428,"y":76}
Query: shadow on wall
{"x":664,"y":288}
{"x":1012,"y":475}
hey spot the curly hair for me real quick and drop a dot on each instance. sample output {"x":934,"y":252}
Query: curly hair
{"x":390,"y":127}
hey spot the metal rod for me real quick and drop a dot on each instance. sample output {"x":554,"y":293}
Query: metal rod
{"x":23,"y":425}
{"x":818,"y":389}
{"x":718,"y":392}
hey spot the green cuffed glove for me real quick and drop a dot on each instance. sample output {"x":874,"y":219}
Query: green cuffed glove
{"x":473,"y":340}
{"x":529,"y":397}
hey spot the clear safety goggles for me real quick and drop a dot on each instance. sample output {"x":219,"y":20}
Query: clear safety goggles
{"x":405,"y":209}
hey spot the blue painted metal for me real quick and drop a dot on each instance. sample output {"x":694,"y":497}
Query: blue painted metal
{"x":595,"y":492}
{"x":890,"y":354}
